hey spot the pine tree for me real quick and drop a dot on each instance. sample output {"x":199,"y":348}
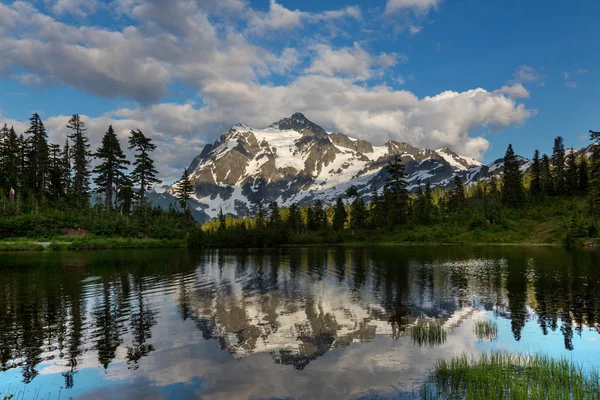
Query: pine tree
{"x":583,"y":174}
{"x":223,"y":220}
{"x":358,"y":214}
{"x":546,"y":176}
{"x":594,"y":183}
{"x":275,"y":221}
{"x":339,"y":215}
{"x":66,"y":164}
{"x":112,"y":164}
{"x":558,"y":159}
{"x":56,"y":187}
{"x":260,"y":217}
{"x":294,"y":221}
{"x":572,"y":174}
{"x":3,"y":139}
{"x":125,"y":195}
{"x":10,"y":151}
{"x":80,"y":162}
{"x":536,"y":175}
{"x":144,"y":172}
{"x":457,"y":200}
{"x":513,"y":194}
{"x":320,"y":217}
{"x":397,"y":197}
{"x":37,"y":156}
{"x":184,"y":189}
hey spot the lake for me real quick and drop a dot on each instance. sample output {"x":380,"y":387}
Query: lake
{"x":315,"y":323}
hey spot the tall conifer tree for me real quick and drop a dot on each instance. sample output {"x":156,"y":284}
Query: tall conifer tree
{"x":513,"y":193}
{"x":144,"y":172}
{"x":80,"y":162}
{"x":572,"y":174}
{"x":37,"y":156}
{"x":546,"y":176}
{"x":184,"y":189}
{"x":559,"y":159}
{"x":536,"y":175}
{"x":112,"y":164}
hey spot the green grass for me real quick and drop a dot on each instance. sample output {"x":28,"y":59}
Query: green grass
{"x":20,"y":246}
{"x":428,"y":334}
{"x":502,"y":375}
{"x":486,"y":330}
{"x":115,"y":243}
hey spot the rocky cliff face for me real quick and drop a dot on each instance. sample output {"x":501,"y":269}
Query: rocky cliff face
{"x":295,"y":160}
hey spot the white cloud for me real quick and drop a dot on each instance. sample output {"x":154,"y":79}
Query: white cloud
{"x":566,"y":75}
{"x":582,"y":71}
{"x":77,"y":8}
{"x":180,"y":42}
{"x":526,"y":74}
{"x":419,"y":6}
{"x":516,"y":91}
{"x":352,"y":62}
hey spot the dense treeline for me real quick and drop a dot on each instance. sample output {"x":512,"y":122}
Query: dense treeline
{"x":562,"y":188}
{"x":45,"y":188}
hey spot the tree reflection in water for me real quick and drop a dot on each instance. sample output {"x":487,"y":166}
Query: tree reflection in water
{"x":295,"y":305}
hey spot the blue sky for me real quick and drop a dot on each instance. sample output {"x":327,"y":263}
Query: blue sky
{"x":185,"y":70}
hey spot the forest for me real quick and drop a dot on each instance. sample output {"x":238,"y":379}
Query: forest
{"x":46,"y":191}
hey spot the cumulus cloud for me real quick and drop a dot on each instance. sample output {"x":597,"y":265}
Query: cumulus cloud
{"x":419,"y":6}
{"x":77,"y":8}
{"x":515,"y":91}
{"x":527,"y":74}
{"x":352,"y":62}
{"x":180,"y":42}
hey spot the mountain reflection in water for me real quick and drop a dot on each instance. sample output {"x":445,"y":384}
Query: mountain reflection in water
{"x":306,"y":323}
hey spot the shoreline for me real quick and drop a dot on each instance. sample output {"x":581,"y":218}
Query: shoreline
{"x":19,"y":245}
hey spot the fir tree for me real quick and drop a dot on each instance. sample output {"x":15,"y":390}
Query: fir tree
{"x":546,"y":176}
{"x":3,"y":162}
{"x":56,"y":187}
{"x":125,"y":195}
{"x":294,"y":220}
{"x":513,"y":194}
{"x":536,"y":175}
{"x":144,"y":172}
{"x":572,"y":174}
{"x":320,"y":217}
{"x":397,"y":195}
{"x":37,"y":156}
{"x":260,"y":217}
{"x":80,"y":162}
{"x":339,"y":215}
{"x":358,"y":214}
{"x":66,"y":163}
{"x":558,"y":159}
{"x":457,"y":199}
{"x":594,"y":182}
{"x":583,"y":174}
{"x":223,"y":220}
{"x":184,"y":189}
{"x":111,"y":166}
{"x":275,"y":221}
{"x":10,"y":151}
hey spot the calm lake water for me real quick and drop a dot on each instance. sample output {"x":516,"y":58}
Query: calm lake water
{"x":294,"y":323}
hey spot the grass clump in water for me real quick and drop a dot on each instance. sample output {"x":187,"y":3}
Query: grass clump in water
{"x":502,"y":375}
{"x":486,"y":330}
{"x":428,"y":334}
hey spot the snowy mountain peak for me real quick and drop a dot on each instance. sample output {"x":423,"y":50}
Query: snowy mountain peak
{"x":299,"y":123}
{"x":296,"y":161}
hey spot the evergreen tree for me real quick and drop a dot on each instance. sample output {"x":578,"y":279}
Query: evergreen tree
{"x":572,"y":174}
{"x":339,"y":215}
{"x":513,"y":193}
{"x":457,"y":198}
{"x":111,"y":166}
{"x":594,"y":182}
{"x":260,"y":217}
{"x":320,"y":217}
{"x":66,"y":163}
{"x":536,"y":175}
{"x":358,"y":214}
{"x":223,"y":220}
{"x":37,"y":156}
{"x":144,"y":172}
{"x":294,"y":221}
{"x":275,"y":221}
{"x":583,"y":174}
{"x":184,"y":189}
{"x":80,"y":162}
{"x":546,"y":176}
{"x":558,"y":159}
{"x":56,"y":187}
{"x":10,"y":150}
{"x":397,"y":197}
{"x":3,"y":139}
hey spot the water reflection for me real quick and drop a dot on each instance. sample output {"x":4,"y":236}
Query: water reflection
{"x":65,"y":313}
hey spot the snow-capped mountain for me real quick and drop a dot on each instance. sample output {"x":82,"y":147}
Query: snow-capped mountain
{"x":297,"y":161}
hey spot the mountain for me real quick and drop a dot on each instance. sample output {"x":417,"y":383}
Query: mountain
{"x":296,"y":161}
